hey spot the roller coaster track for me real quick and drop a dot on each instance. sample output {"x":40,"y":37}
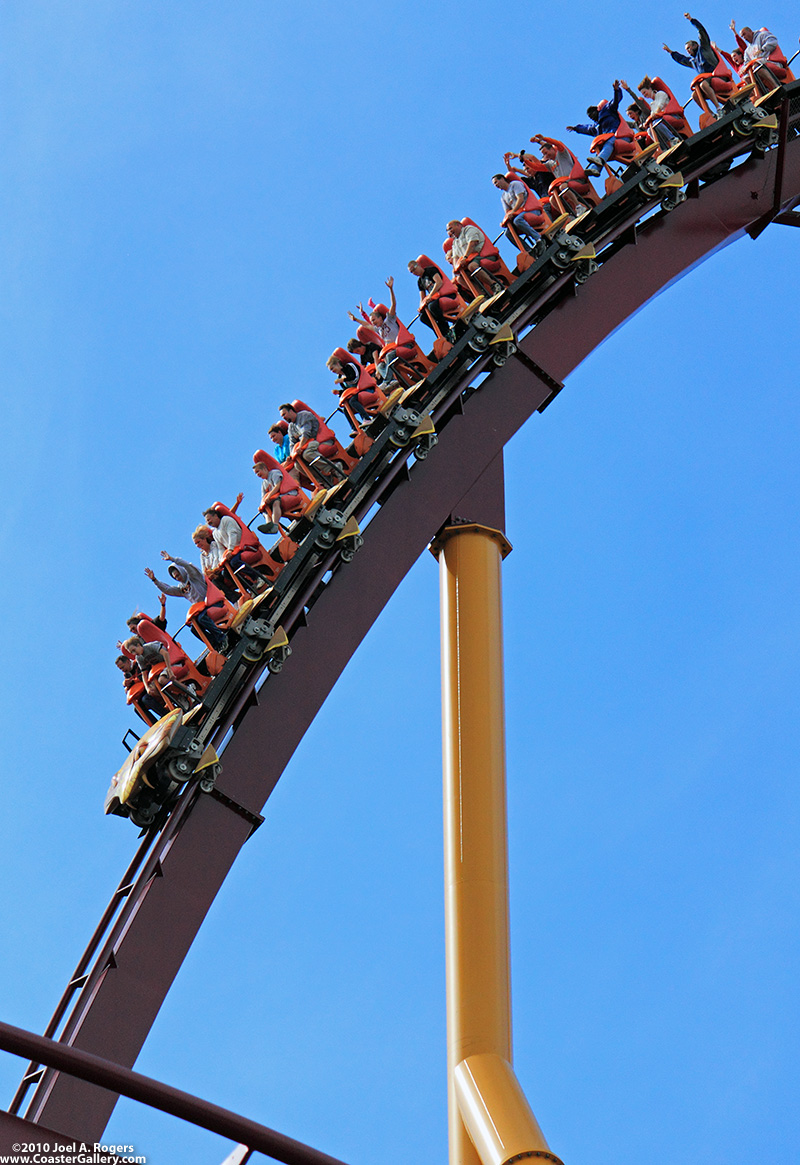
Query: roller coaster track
{"x":738,"y":176}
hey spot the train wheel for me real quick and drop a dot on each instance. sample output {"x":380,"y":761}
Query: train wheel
{"x":673,"y":199}
{"x":143,"y":818}
{"x":179,"y":768}
{"x":423,"y":447}
{"x":400,"y":436}
{"x":561,"y":258}
{"x":584,"y":270}
{"x":253,"y":651}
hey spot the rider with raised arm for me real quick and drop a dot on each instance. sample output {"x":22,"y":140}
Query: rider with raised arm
{"x":735,"y":57}
{"x":665,"y":120}
{"x":568,"y":175}
{"x":399,"y":352}
{"x":713,"y":81}
{"x":159,"y":620}
{"x":605,"y":122}
{"x":382,"y":319}
{"x":535,"y":173}
{"x":192,"y":585}
{"x":763,"y":60}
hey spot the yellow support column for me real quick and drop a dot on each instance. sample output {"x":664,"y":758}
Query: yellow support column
{"x":490,"y":1120}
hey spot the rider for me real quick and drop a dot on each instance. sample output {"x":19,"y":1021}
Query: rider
{"x":666,"y":119}
{"x":605,"y":120}
{"x":523,"y":210}
{"x":280,"y":493}
{"x":349,"y":372}
{"x":439,"y":300}
{"x":310,"y":441}
{"x":131,"y":677}
{"x":568,"y":174}
{"x":468,"y":242}
{"x":279,"y":434}
{"x":193,"y":586}
{"x":713,"y":79}
{"x":227,"y":534}
{"x":763,"y":60}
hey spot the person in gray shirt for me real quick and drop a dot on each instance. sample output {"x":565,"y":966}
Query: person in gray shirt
{"x":192,"y":585}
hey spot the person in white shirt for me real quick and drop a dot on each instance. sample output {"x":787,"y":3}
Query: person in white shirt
{"x":227,"y":535}
{"x":465,"y":254}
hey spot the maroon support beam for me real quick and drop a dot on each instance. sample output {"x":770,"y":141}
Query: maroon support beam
{"x":161,"y":1096}
{"x":145,"y":959}
{"x":485,"y":500}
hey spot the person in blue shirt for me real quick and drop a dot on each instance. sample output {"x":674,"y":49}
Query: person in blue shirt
{"x":706,"y":61}
{"x":605,"y":120}
{"x":283,"y":445}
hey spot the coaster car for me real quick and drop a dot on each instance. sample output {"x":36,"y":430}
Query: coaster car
{"x":134,"y":790}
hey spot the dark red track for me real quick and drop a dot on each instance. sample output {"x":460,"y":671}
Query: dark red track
{"x":117,"y":1015}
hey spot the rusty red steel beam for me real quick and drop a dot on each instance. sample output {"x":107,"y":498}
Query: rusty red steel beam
{"x":143,"y":962}
{"x":164,"y":1097}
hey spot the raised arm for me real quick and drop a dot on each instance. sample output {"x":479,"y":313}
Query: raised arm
{"x":392,"y":300}
{"x":165,"y":588}
{"x":541,"y":140}
{"x":637,"y":99}
{"x":705,"y":39}
{"x":741,"y":43}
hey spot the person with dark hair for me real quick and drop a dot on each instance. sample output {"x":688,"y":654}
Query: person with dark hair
{"x":131,"y":676}
{"x":439,"y":300}
{"x":735,"y":57}
{"x":523,"y":210}
{"x":605,"y":121}
{"x":306,"y":445}
{"x":227,"y":534}
{"x":159,"y":620}
{"x":665,"y":120}
{"x":283,"y":446}
{"x":349,"y":373}
{"x":534,"y":173}
{"x":364,"y":347}
{"x":637,"y":113}
{"x":145,"y":657}
{"x":713,"y":80}
{"x":281,"y":496}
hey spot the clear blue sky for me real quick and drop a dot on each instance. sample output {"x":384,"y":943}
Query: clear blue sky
{"x":191,"y":197}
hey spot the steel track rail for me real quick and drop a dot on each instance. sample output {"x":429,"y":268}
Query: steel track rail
{"x":146,"y":931}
